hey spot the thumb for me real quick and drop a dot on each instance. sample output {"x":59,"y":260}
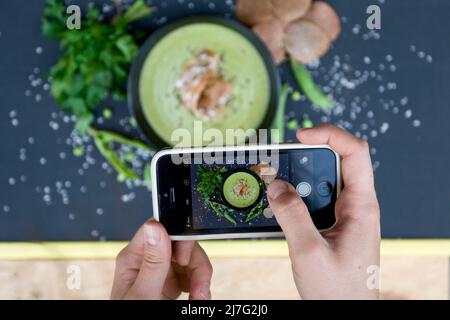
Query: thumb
{"x":155,"y":265}
{"x":293,"y":217}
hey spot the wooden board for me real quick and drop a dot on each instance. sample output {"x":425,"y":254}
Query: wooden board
{"x":234,"y":278}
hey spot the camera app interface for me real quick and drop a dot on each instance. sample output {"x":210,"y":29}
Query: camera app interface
{"x":233,"y":195}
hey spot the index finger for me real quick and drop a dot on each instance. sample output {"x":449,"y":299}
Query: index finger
{"x":356,"y":166}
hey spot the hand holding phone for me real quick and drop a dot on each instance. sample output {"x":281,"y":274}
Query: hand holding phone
{"x":342,"y":263}
{"x":220,"y":192}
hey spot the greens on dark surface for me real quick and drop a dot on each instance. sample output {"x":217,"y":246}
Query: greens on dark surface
{"x":95,"y":59}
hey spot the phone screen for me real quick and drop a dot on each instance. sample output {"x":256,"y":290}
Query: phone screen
{"x":212,"y":197}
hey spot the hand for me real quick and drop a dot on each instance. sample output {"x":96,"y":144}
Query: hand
{"x":333,"y":264}
{"x":151,"y":267}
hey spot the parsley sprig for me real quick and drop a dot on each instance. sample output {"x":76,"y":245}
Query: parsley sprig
{"x":95,"y":59}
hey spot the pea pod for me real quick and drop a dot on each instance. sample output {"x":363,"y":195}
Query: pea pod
{"x":121,"y":168}
{"x":109,"y":136}
{"x":255,"y":212}
{"x":148,"y":176}
{"x":229,"y":218}
{"x":221,"y":211}
{"x":306,"y":82}
{"x":278,"y":123}
{"x":215,"y":208}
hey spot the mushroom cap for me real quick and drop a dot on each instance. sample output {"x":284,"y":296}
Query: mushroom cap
{"x":305,"y":41}
{"x":252,"y":12}
{"x":272,"y":34}
{"x":290,"y":10}
{"x":322,"y":14}
{"x":265,"y":171}
{"x":268,"y":213}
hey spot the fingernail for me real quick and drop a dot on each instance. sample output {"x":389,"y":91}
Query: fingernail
{"x":205,"y":292}
{"x":153,"y":235}
{"x":277,"y":188}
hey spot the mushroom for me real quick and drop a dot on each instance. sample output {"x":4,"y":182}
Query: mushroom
{"x":268,"y":213}
{"x":290,"y":10}
{"x":310,"y":26}
{"x":305,"y":41}
{"x":322,"y":14}
{"x":265,"y":171}
{"x":271,"y":33}
{"x":252,"y":12}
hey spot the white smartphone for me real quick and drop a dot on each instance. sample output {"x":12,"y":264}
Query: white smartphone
{"x":220,"y":192}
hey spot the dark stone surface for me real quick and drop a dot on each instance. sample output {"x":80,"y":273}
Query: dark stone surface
{"x":412,"y":162}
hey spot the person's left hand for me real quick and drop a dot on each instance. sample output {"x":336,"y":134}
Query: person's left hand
{"x":152,"y":267}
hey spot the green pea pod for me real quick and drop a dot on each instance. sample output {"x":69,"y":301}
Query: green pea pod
{"x":148,"y":176}
{"x":221,"y":211}
{"x":215,"y":208}
{"x":255,"y":212}
{"x":109,"y":136}
{"x":306,"y":82}
{"x":121,"y":168}
{"x":278,"y":122}
{"x":229,"y":218}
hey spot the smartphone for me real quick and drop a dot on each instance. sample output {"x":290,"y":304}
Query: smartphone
{"x":220,"y":192}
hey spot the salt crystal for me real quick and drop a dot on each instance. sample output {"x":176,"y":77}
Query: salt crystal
{"x":94,"y":233}
{"x":384,"y":127}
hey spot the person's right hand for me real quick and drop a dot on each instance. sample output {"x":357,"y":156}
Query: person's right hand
{"x":335,"y":264}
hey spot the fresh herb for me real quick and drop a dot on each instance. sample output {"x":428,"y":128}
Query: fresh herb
{"x":210,"y":180}
{"x":306,"y":82}
{"x":278,"y":123}
{"x":95,"y":59}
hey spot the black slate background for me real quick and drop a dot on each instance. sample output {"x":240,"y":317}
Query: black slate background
{"x":412,"y":179}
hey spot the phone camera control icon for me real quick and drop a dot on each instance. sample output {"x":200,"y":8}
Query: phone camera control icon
{"x":324,"y":188}
{"x":304,"y":160}
{"x":186,"y":182}
{"x":303,"y":189}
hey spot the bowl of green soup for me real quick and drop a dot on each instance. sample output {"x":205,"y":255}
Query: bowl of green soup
{"x":202,"y":73}
{"x":241,"y":189}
